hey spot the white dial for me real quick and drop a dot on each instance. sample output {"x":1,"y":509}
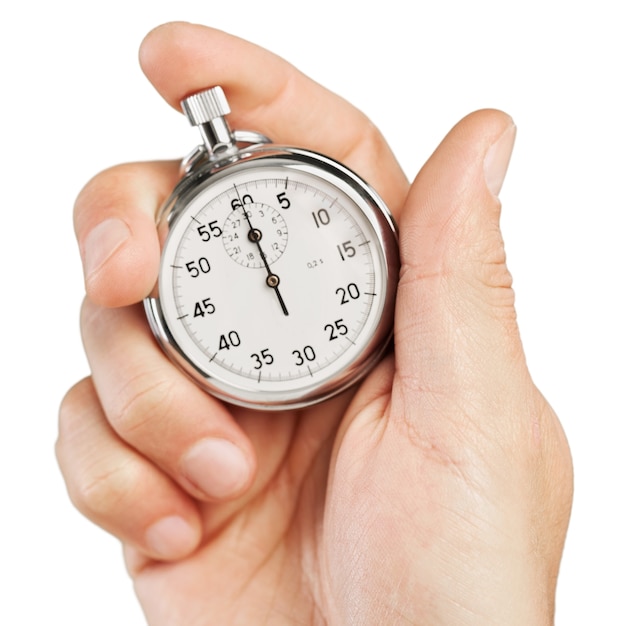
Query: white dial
{"x":277,"y":278}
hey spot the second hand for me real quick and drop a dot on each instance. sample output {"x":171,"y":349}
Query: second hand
{"x":272,"y":280}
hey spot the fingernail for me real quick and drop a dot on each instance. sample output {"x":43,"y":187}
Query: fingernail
{"x":102,"y":242}
{"x":216,"y":467}
{"x":171,"y":537}
{"x":497,"y":159}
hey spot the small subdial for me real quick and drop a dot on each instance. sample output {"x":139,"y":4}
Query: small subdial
{"x":269,"y":229}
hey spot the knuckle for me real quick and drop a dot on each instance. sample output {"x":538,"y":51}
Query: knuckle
{"x":70,"y":414}
{"x":69,"y":406}
{"x":367,"y":143}
{"x":116,"y":188}
{"x":104,"y":188}
{"x":146,"y":395}
{"x":105,"y":489}
{"x":97,"y":322}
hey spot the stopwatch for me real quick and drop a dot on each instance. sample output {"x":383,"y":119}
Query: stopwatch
{"x":278,"y":268}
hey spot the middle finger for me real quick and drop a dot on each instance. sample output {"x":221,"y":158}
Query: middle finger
{"x":159,"y":411}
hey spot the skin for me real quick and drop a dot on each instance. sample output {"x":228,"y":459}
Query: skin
{"x":438,"y":492}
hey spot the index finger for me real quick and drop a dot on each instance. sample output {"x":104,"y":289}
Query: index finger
{"x":269,"y":95}
{"x":114,"y":215}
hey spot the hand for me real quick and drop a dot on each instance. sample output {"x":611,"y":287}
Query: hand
{"x":437,"y":493}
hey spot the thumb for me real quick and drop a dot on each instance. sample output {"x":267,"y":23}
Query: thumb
{"x":455,"y":325}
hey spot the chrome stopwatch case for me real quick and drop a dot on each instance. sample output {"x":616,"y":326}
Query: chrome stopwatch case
{"x":279,"y":269}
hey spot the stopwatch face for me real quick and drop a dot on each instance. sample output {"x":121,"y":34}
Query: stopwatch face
{"x":277,"y":281}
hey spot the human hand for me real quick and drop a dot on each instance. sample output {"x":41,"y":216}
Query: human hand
{"x":437,"y":493}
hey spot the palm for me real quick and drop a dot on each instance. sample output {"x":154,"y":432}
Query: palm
{"x":350,"y":496}
{"x":262,"y":555}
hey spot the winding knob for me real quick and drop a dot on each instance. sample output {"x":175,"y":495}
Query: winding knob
{"x":207,"y":110}
{"x":205,"y":106}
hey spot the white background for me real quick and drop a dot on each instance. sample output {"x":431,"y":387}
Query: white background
{"x":74,"y":101}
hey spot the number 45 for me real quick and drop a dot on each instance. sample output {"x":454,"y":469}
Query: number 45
{"x":204,"y":307}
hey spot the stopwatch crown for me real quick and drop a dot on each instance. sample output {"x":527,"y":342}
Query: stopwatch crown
{"x":207,"y":110}
{"x":205,"y":106}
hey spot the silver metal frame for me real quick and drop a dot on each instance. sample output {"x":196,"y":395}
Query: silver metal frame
{"x":201,"y":171}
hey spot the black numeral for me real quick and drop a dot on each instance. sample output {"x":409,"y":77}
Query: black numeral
{"x":346,"y":250}
{"x":322,"y":218}
{"x":336,"y":329}
{"x":306,"y":354}
{"x":230,"y":340}
{"x":204,"y":307}
{"x":211,"y":230}
{"x":200,"y":266}
{"x":350,"y":292}
{"x":237,"y":203}
{"x":263,"y":358}
{"x":283,"y":200}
